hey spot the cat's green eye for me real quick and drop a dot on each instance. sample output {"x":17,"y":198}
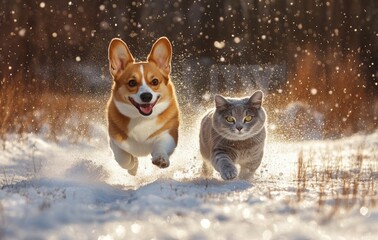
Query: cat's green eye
{"x":248,"y":118}
{"x":230,"y":119}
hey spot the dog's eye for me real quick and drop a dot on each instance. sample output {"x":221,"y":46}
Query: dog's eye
{"x":132,"y":83}
{"x":154,"y":82}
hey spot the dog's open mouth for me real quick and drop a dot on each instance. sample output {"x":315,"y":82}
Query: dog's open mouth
{"x":144,"y":109}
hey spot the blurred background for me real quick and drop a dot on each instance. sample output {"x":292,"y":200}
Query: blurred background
{"x":317,"y":61}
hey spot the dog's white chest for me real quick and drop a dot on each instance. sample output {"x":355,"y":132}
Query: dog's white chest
{"x":139,"y":142}
{"x":141,"y":129}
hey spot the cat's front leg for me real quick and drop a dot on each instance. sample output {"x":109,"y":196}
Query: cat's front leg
{"x":207,"y":168}
{"x":162,"y":149}
{"x":246,"y":172}
{"x":224,"y":165}
{"x":248,"y":169}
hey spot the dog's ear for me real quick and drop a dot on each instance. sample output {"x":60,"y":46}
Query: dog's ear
{"x":119,"y":56}
{"x":161,"y":54}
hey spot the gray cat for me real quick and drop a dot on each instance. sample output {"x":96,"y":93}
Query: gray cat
{"x":233,"y":132}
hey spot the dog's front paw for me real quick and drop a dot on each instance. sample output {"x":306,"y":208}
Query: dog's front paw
{"x":160,"y":160}
{"x":228,"y":172}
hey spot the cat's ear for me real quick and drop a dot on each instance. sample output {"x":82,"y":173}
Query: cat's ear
{"x":220,"y":102}
{"x":255,"y":100}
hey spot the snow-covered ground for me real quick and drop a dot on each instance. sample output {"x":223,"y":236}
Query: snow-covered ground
{"x":62,"y":190}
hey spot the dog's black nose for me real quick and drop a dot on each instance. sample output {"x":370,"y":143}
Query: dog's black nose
{"x":146,"y":97}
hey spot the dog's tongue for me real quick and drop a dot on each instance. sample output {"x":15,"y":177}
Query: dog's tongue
{"x":146,"y":108}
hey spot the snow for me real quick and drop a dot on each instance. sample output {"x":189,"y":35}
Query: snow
{"x":77,"y":191}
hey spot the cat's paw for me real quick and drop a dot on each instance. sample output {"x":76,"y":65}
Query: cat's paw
{"x":161,"y":160}
{"x":228,"y":172}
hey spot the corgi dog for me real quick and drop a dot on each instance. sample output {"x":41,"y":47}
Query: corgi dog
{"x":142,"y":112}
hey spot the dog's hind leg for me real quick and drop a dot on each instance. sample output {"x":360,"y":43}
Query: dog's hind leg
{"x":125,"y":159}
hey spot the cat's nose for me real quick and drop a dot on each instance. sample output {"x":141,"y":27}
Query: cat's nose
{"x":239,"y":128}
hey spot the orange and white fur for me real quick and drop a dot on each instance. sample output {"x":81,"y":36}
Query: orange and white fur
{"x":143,"y":113}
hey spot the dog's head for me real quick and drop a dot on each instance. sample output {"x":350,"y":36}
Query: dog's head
{"x":141,"y":88}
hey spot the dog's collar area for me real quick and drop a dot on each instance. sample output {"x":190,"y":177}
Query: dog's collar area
{"x":146,"y":108}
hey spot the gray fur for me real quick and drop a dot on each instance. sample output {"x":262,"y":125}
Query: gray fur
{"x":223,"y":145}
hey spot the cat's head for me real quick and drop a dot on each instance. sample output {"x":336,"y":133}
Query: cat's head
{"x":239,"y":118}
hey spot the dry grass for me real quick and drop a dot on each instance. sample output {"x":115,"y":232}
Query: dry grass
{"x":341,"y":182}
{"x":32,"y":109}
{"x":334,"y":84}
{"x":2,"y":221}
